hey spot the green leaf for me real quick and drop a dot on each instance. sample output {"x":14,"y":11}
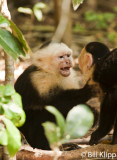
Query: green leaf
{"x":2,"y":88}
{"x":10,"y":44}
{"x":109,"y":16}
{"x":1,"y":110}
{"x":9,"y":90}
{"x":79,"y":120}
{"x":76,"y":3}
{"x":38,"y":14}
{"x":4,"y":21}
{"x":90,"y":16}
{"x":52,"y":133}
{"x":5,"y":100}
{"x":22,"y":119}
{"x":14,"y":137}
{"x":14,"y":113}
{"x":59,"y":117}
{"x":39,"y":5}
{"x":3,"y":135}
{"x":17,"y":33}
{"x":25,"y":10}
{"x":17,"y":99}
{"x":37,"y":10}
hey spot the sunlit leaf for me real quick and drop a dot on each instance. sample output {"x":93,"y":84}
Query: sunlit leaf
{"x":25,"y":10}
{"x":3,"y":135}
{"x":9,"y":90}
{"x":38,"y":14}
{"x":14,"y":137}
{"x":2,"y":88}
{"x":4,"y":22}
{"x":17,"y":99}
{"x":59,"y":117}
{"x":13,"y":112}
{"x":10,"y":44}
{"x":79,"y":120}
{"x":76,"y":3}
{"x":37,"y":10}
{"x":17,"y":33}
{"x":40,"y":5}
{"x":52,"y":133}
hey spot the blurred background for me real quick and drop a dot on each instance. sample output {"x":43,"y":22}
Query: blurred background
{"x":94,"y":20}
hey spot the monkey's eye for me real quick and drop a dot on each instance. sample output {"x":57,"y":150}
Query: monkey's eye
{"x":60,"y":57}
{"x":68,"y":55}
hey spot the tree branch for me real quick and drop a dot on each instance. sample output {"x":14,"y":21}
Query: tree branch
{"x":97,"y":151}
{"x":63,"y":21}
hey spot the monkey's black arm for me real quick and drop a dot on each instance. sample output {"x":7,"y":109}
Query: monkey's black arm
{"x":66,"y":99}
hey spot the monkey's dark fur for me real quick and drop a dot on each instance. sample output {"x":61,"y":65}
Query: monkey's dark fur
{"x":34,"y":103}
{"x":105,"y":73}
{"x":64,"y":99}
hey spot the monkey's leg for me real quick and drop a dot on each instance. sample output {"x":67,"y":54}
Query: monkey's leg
{"x":107,"y":118}
{"x":114,"y":141}
{"x":33,"y":130}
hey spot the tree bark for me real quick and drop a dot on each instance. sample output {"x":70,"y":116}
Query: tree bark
{"x":63,"y":31}
{"x":57,"y":9}
{"x":9,"y":70}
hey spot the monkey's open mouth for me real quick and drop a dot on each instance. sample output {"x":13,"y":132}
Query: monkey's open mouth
{"x":65,"y":71}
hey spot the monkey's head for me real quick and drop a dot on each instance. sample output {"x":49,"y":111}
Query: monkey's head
{"x":90,"y":54}
{"x":55,"y":58}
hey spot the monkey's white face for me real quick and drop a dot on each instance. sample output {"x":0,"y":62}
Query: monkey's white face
{"x":64,"y":64}
{"x":55,"y":59}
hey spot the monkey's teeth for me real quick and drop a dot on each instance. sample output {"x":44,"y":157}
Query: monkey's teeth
{"x":65,"y":68}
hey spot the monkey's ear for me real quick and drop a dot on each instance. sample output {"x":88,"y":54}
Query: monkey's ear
{"x":89,"y":60}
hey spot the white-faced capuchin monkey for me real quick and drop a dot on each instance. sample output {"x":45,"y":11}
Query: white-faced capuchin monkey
{"x":50,"y":80}
{"x":101,"y":67}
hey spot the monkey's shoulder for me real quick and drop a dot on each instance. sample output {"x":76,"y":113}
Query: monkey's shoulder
{"x":105,"y":70}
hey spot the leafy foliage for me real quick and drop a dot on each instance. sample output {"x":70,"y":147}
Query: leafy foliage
{"x":101,"y":19}
{"x":79,"y":120}
{"x":36,"y":10}
{"x":13,"y":43}
{"x":12,"y":136}
{"x":10,"y":44}
{"x":79,"y":28}
{"x":3,"y":21}
{"x":11,"y":115}
{"x":17,"y":33}
{"x":53,"y":134}
{"x":59,"y":117}
{"x":76,"y":3}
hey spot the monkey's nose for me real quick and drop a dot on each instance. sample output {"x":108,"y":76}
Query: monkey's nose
{"x":67,"y":62}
